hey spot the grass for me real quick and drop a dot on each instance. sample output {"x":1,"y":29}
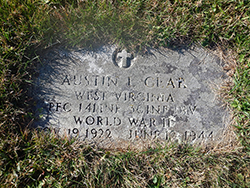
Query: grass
{"x":28,"y":159}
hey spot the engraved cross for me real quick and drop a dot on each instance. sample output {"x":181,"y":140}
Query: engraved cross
{"x":125,"y":56}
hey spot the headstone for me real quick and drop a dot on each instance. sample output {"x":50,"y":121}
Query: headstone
{"x":110,"y":96}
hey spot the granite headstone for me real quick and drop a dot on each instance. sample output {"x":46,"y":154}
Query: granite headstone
{"x":113,"y":96}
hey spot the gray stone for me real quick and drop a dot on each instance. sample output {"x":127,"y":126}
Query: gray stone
{"x":109,"y":96}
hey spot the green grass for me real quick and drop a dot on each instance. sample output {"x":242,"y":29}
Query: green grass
{"x":32,"y":159}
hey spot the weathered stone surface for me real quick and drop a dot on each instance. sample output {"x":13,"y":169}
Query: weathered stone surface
{"x":112,"y":96}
